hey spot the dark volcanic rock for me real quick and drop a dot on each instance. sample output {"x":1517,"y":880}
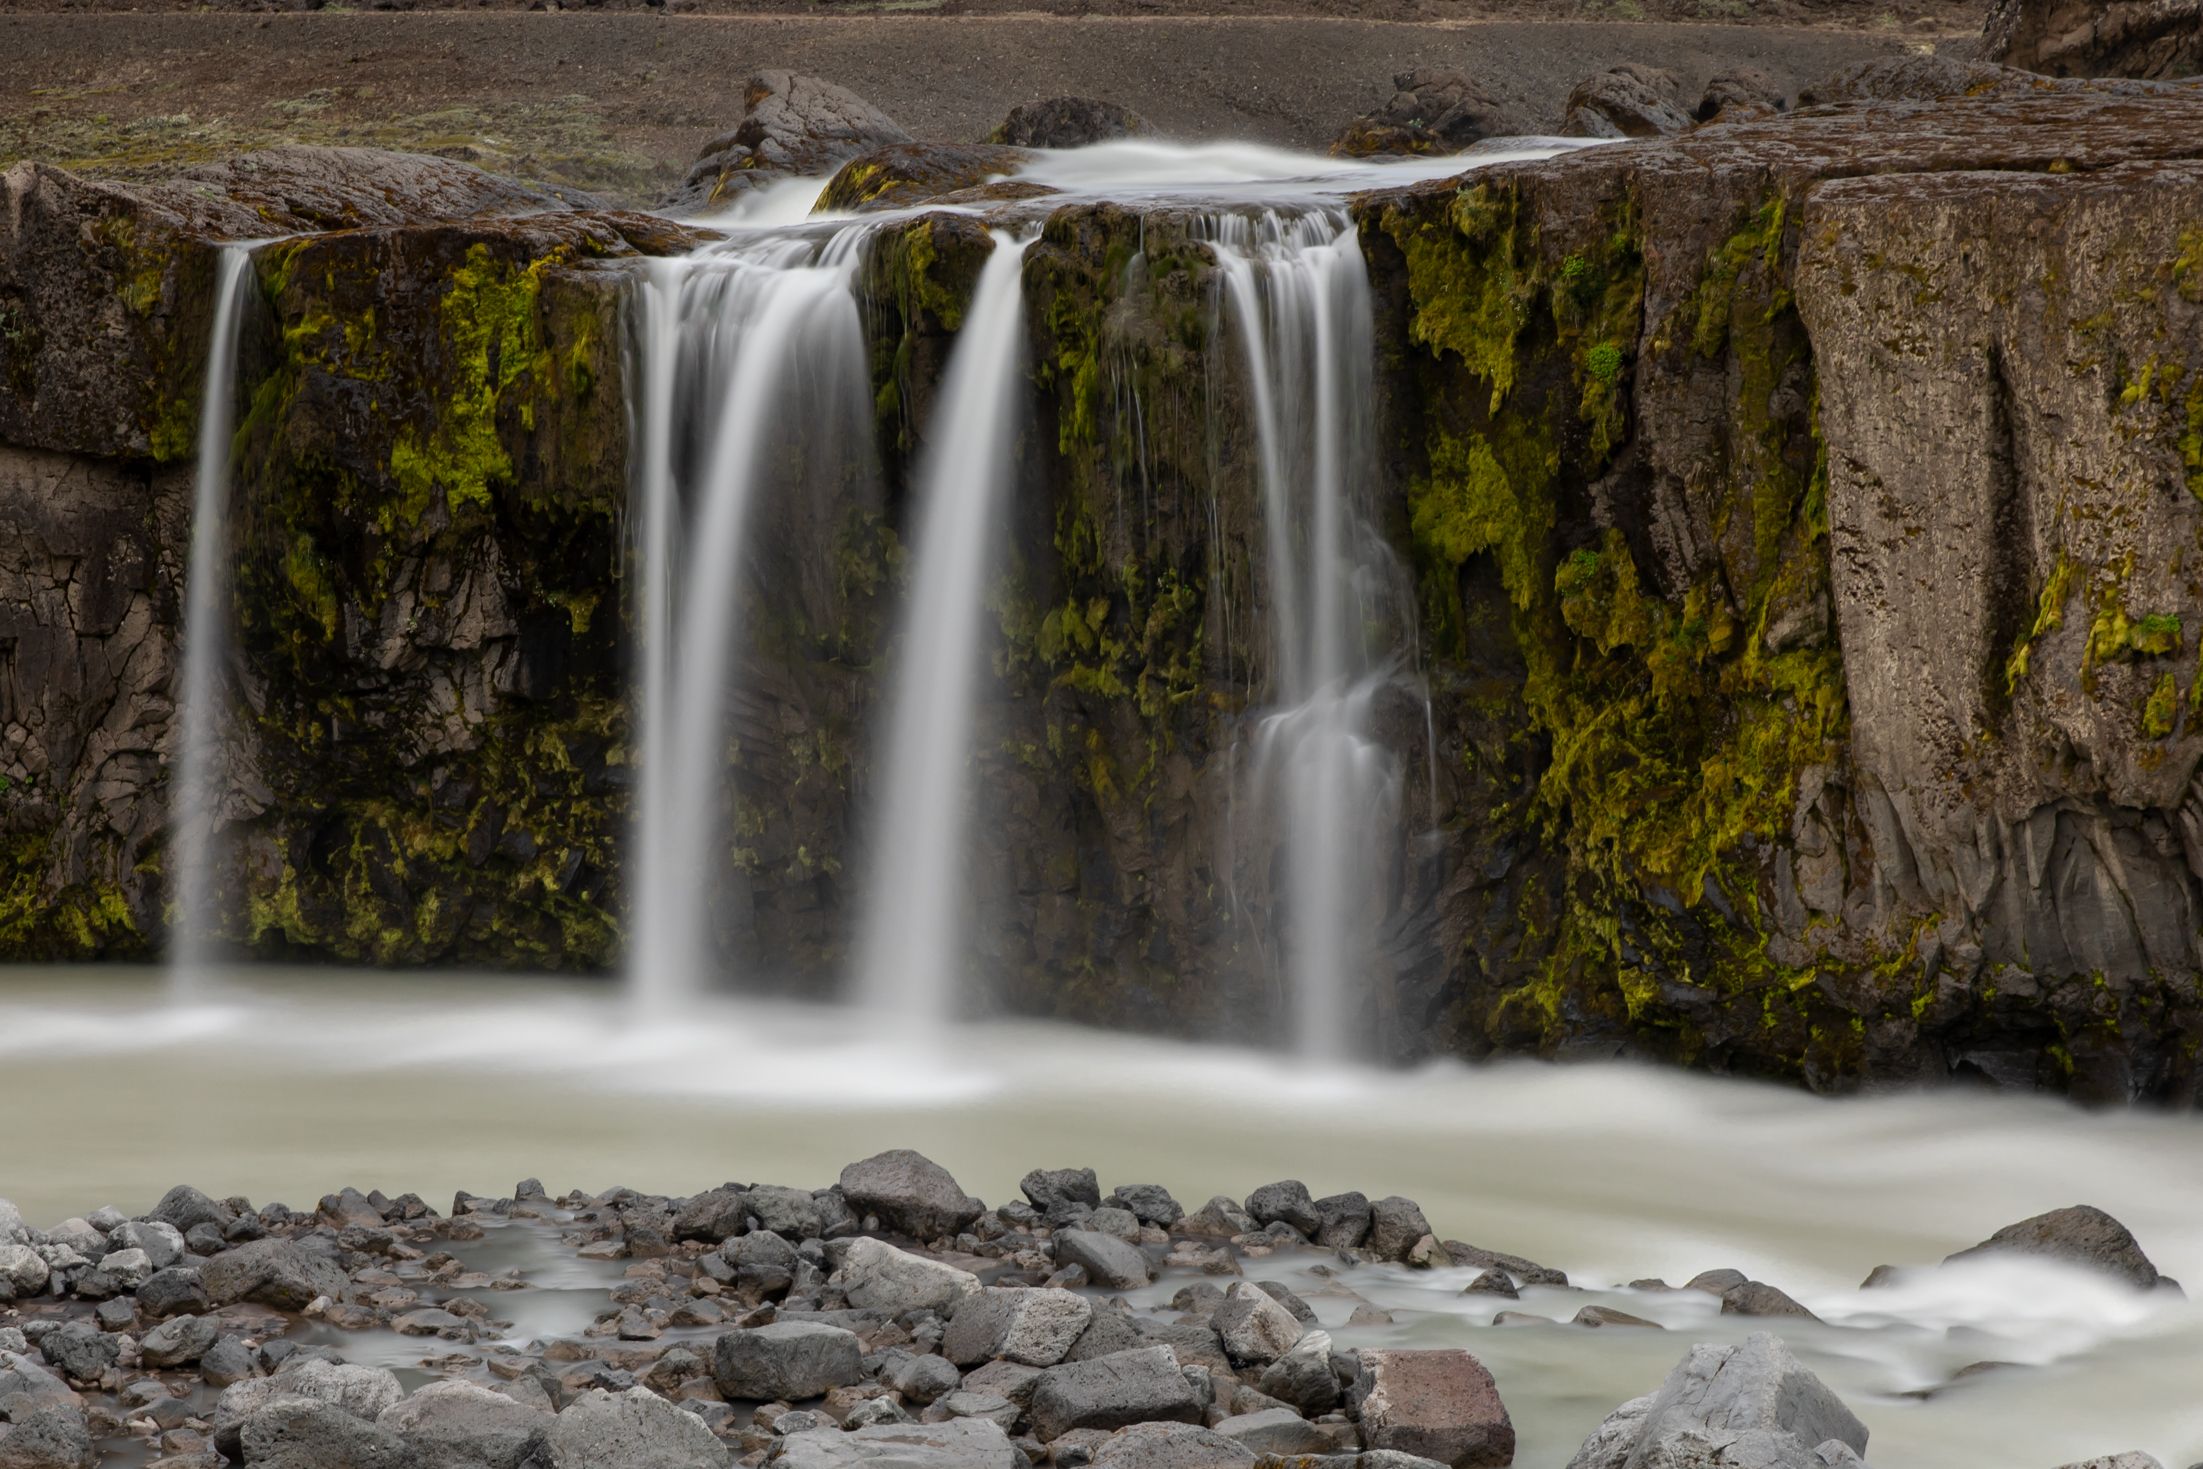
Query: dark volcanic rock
{"x":273,"y":1272}
{"x":1432,"y":111}
{"x":1287,"y":1202}
{"x":184,"y":1209}
{"x":80,"y":1350}
{"x":1139,"y":1386}
{"x":295,"y":1433}
{"x":1068,"y":122}
{"x":1630,"y":101}
{"x":2079,"y":1235}
{"x":792,"y":126}
{"x":1737,"y":93}
{"x":910,"y":1193}
{"x":1756,"y":1298}
{"x":174,"y":1291}
{"x":49,"y":1438}
{"x":1051,"y":1188}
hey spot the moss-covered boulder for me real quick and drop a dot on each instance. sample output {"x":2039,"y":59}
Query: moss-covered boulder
{"x":903,"y":175}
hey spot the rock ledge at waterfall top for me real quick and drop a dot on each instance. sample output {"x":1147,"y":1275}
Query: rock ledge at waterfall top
{"x":989,"y":1343}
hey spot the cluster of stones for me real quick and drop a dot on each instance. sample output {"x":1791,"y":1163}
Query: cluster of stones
{"x":891,"y":1318}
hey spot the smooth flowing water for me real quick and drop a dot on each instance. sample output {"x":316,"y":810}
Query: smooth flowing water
{"x":299,"y":1083}
{"x":198,"y":779}
{"x":912,"y":950}
{"x":752,"y":376}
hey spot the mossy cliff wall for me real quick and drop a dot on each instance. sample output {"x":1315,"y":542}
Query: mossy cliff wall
{"x":1798,"y":519}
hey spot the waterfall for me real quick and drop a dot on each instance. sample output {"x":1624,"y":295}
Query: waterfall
{"x":750,"y":347}
{"x":911,"y":949}
{"x":195,"y":789}
{"x":1298,"y":297}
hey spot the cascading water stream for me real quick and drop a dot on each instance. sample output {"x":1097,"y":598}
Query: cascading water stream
{"x":912,"y":941}
{"x":195,"y":791}
{"x":744,"y":344}
{"x":1298,"y":294}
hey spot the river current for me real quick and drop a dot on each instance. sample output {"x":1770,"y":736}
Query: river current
{"x":288,"y":1084}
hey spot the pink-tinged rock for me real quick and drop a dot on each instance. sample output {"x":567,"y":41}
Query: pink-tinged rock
{"x":1439,"y":1404}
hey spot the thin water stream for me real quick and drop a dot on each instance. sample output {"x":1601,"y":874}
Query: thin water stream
{"x":307,"y":1081}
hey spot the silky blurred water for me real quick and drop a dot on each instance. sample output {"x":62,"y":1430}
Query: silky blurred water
{"x":296,"y":1083}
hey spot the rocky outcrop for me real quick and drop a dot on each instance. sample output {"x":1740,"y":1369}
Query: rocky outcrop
{"x":1068,"y":122}
{"x":1433,"y":110}
{"x":905,"y":174}
{"x":1628,"y":101}
{"x":793,"y":126}
{"x":2160,"y":39}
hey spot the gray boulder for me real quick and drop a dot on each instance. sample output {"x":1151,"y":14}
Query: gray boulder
{"x":1395,"y":1224}
{"x":1630,"y":101}
{"x":790,"y":1213}
{"x":120,"y":1270}
{"x":910,"y":1193}
{"x":1114,"y":1329}
{"x":162,"y":1242}
{"x":1219,"y":1215}
{"x":306,"y":1433}
{"x":1034,"y":1327}
{"x":1757,"y":1298}
{"x":1302,"y":1378}
{"x":764,"y":1263}
{"x":1194,"y":1345}
{"x":1140,"y":1386}
{"x":1108,"y":1261}
{"x":22,"y":1272}
{"x":636,"y":1429}
{"x":2131,"y":1460}
{"x":458,"y":1424}
{"x":12,"y":1230}
{"x":81,"y":1350}
{"x":959,"y":1443}
{"x":1170,"y":1446}
{"x":922,"y":1379}
{"x":1439,"y":1403}
{"x":875,"y":1276}
{"x":183,"y":1206}
{"x":277,"y":1273}
{"x":786,"y":1361}
{"x":1012,"y":1380}
{"x":1049,"y":1188}
{"x":712,"y":1217}
{"x":1287,"y":1201}
{"x":1527,"y":1272}
{"x":55,"y":1437}
{"x":1342,"y":1221}
{"x":1254,"y":1328}
{"x":961,"y":1404}
{"x":228,"y":1360}
{"x":2077,"y":1236}
{"x":24,"y":1378}
{"x":1737,"y":94}
{"x":173,"y":1292}
{"x":1275,"y":1431}
{"x":1751,"y":1405}
{"x":179,"y":1340}
{"x":362,"y":1391}
{"x":1151,"y":1203}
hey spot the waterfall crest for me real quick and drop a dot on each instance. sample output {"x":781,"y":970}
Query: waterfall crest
{"x":752,"y":373}
{"x":910,"y":954}
{"x":195,"y":791}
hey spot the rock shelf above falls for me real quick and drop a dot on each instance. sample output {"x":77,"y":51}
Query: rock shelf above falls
{"x":1797,"y":514}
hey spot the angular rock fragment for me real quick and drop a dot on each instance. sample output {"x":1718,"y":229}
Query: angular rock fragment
{"x":55,"y":1437}
{"x":1629,"y":101}
{"x":875,"y":1276}
{"x":1170,"y":1446}
{"x":1528,"y":1272}
{"x":786,"y":1361}
{"x":1756,"y":1298}
{"x":1139,"y":1386}
{"x":960,"y":1443}
{"x":1285,"y":1202}
{"x":1254,"y":1328}
{"x":1439,"y":1404}
{"x":271,"y":1272}
{"x":792,"y":126}
{"x":712,"y":1217}
{"x":1395,"y":1226}
{"x":1107,"y":1260}
{"x":636,"y":1429}
{"x":1034,"y":1327}
{"x":458,"y":1424}
{"x":2079,"y":1235}
{"x":910,"y":1193}
{"x":1754,"y":1397}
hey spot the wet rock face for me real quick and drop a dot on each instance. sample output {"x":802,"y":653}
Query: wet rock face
{"x":2158,"y":39}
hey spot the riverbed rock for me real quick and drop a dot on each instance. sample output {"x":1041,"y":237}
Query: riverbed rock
{"x":1170,"y":1446}
{"x":80,"y":1350}
{"x":911,"y":1194}
{"x":960,"y":1443}
{"x":636,"y":1429}
{"x":174,"y":1291}
{"x":1275,"y":1431}
{"x":22,"y":1272}
{"x":1755,"y":1400}
{"x":1108,"y":1260}
{"x":2080,"y":1235}
{"x":1033,"y":1327}
{"x":922,"y":1379}
{"x":1395,"y":1224}
{"x":790,"y":1213}
{"x":1629,"y":101}
{"x":1739,"y":93}
{"x":876,"y":1276}
{"x":1150,"y":1203}
{"x":1139,"y":1386}
{"x":24,"y":1377}
{"x":1342,"y":1221}
{"x":764,"y":1263}
{"x":792,"y":126}
{"x":179,"y":1341}
{"x":1303,"y":1378}
{"x":1441,"y":1404}
{"x":713,"y":1216}
{"x":902,"y":175}
{"x":458,"y":1424}
{"x":161,"y":1242}
{"x":183,"y":1208}
{"x":1757,"y":1298}
{"x":48,"y":1438}
{"x":2096,"y":38}
{"x":1433,"y":110}
{"x":1068,"y":122}
{"x":786,"y":1361}
{"x":1287,"y":1202}
{"x":228,"y":1360}
{"x":1254,"y":1328}
{"x":271,"y":1272}
{"x":1051,"y":1188}
{"x":1219,"y":1215}
{"x":305,"y":1433}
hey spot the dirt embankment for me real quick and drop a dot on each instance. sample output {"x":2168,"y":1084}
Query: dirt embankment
{"x":619,"y":103}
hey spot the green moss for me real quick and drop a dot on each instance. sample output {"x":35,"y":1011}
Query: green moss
{"x":85,"y":920}
{"x":2162,"y":710}
{"x":2049,"y":616}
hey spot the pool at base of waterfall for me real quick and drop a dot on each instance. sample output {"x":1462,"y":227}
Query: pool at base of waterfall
{"x":1627,"y":1182}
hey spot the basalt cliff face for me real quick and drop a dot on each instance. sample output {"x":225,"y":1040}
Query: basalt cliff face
{"x":1794,"y":521}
